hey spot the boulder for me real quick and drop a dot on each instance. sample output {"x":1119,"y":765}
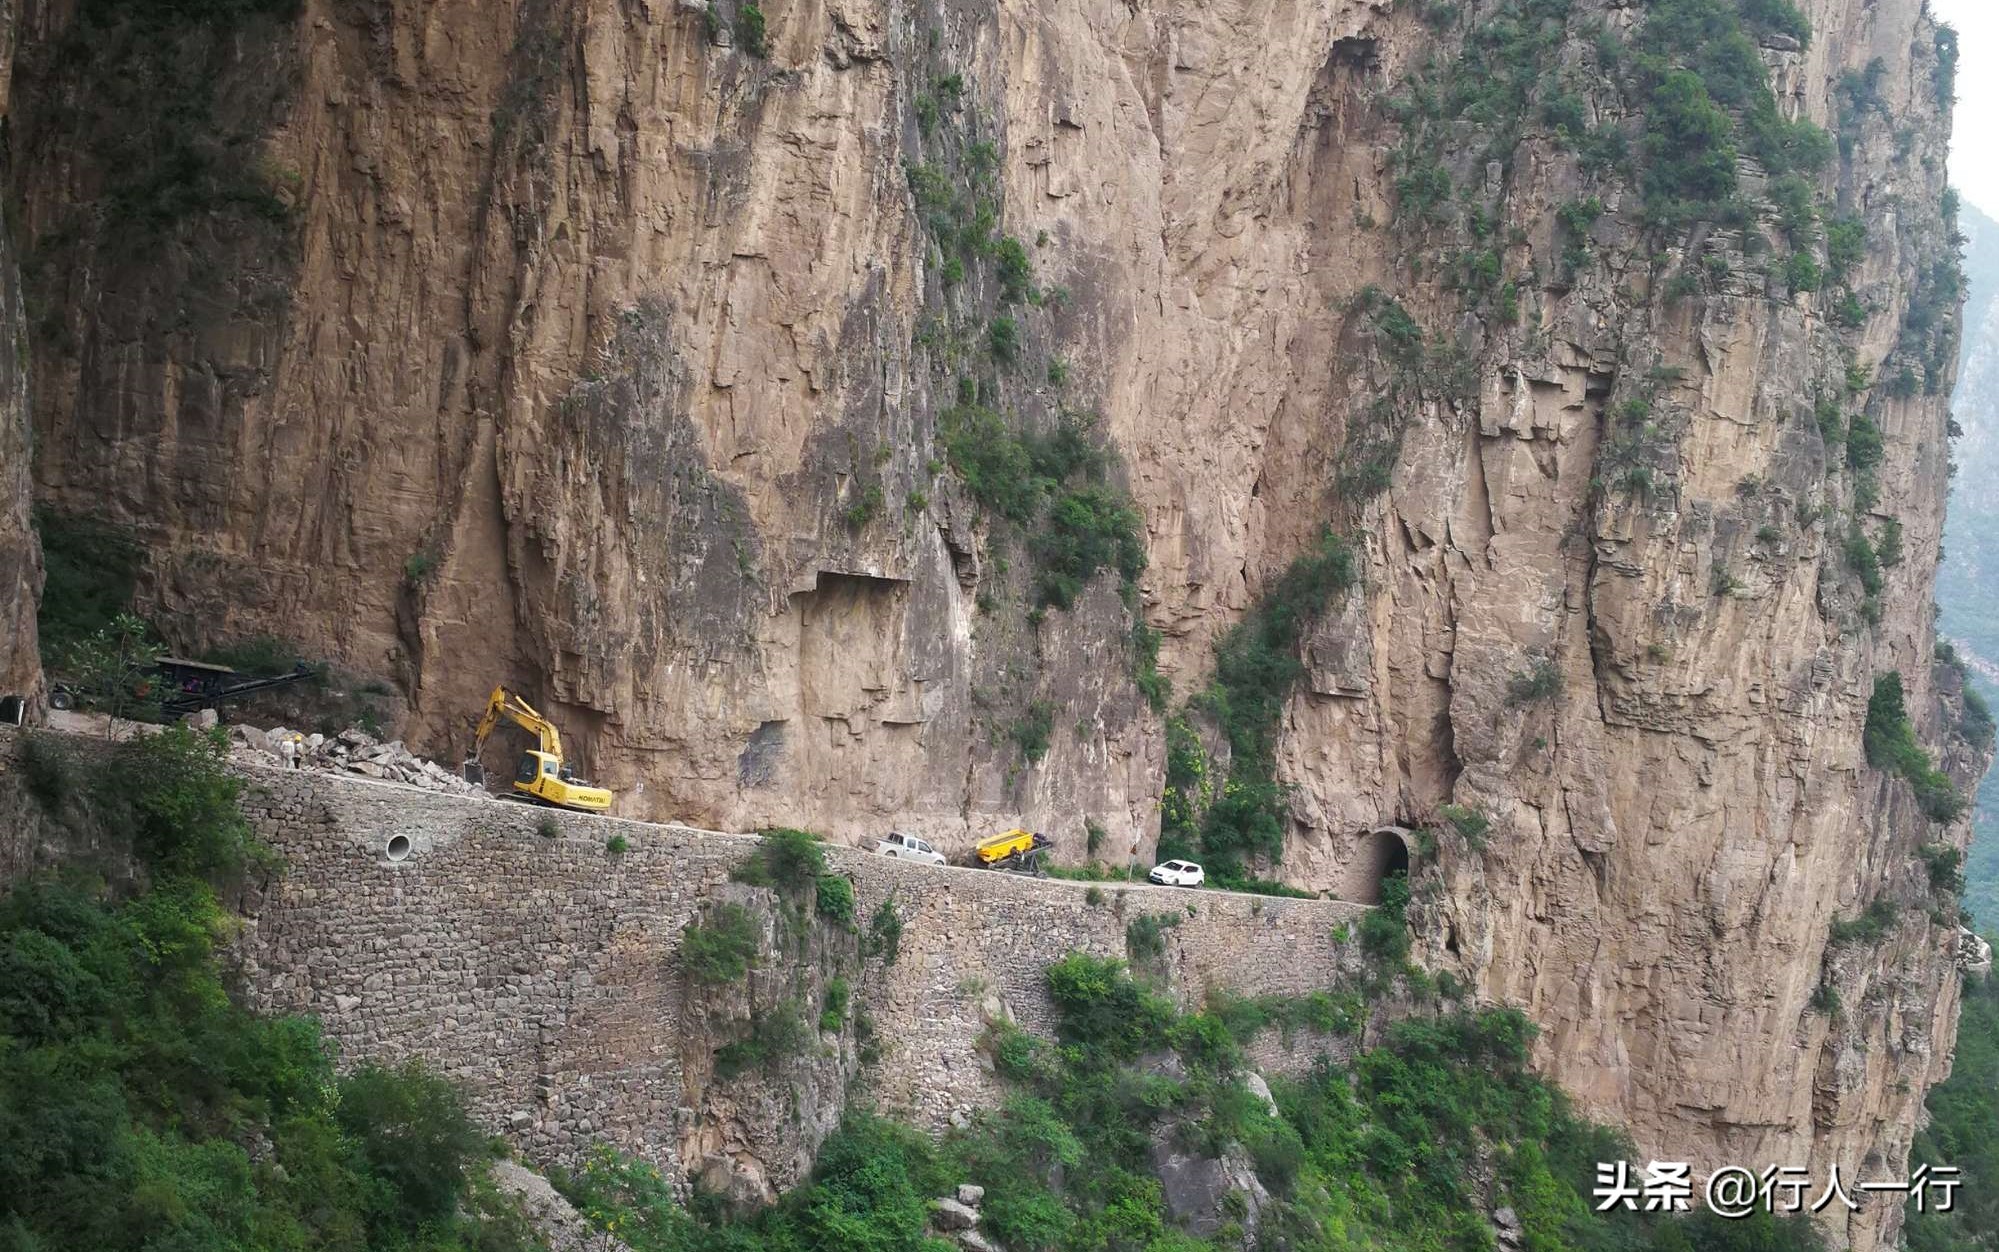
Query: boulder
{"x":970,"y":1195}
{"x":951,"y":1215}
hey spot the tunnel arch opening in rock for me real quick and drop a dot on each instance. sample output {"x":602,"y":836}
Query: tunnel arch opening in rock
{"x":1384,"y":852}
{"x":13,"y":710}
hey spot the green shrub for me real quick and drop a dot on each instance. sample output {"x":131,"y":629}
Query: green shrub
{"x":548,"y":827}
{"x":1543,"y":682}
{"x":833,"y":1009}
{"x":1977,"y":724}
{"x":1145,"y":936}
{"x":420,"y":566}
{"x":1016,"y":272}
{"x":1472,"y":826}
{"x":1256,"y":665}
{"x":1864,"y":446}
{"x":1889,"y":549}
{"x":617,"y":845}
{"x":1102,"y":1010}
{"x":792,"y":861}
{"x":1031,"y":731}
{"x":1890,"y":741}
{"x":46,"y":769}
{"x":1384,"y":930}
{"x":414,"y":1135}
{"x":885,"y":932}
{"x":719,"y":948}
{"x":177,"y":801}
{"x":131,"y":1081}
{"x":1864,"y":561}
{"x":1845,"y":247}
{"x":1690,"y":150}
{"x":751,"y":34}
{"x":1802,"y":272}
{"x":774,"y":1038}
{"x":1088,"y":529}
{"x":1003,"y":340}
{"x":1945,"y":867}
{"x":1871,"y":926}
{"x":835,"y":900}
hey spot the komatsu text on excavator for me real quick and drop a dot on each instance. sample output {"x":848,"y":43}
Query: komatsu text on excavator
{"x":542,"y":778}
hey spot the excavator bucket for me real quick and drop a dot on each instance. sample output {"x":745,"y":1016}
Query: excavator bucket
{"x":475,"y":773}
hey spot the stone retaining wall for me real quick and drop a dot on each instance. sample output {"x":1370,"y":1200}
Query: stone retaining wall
{"x":543,"y":974}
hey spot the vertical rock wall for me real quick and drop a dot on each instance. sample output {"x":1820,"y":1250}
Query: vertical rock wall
{"x":20,"y":553}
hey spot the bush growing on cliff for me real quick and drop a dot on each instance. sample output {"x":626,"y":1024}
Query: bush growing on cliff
{"x":177,"y":801}
{"x":885,"y":932}
{"x":1891,"y":745}
{"x":751,"y":33}
{"x":835,"y":900}
{"x":719,"y":948}
{"x":790,"y":860}
{"x":1256,"y":664}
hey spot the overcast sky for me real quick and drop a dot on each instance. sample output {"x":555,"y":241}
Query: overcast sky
{"x":1974,"y":160}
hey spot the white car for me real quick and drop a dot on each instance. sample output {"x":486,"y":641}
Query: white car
{"x":1176,"y":874}
{"x":909,"y":848}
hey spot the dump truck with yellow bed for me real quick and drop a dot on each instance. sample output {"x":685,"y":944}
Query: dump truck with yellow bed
{"x":1015,"y":848}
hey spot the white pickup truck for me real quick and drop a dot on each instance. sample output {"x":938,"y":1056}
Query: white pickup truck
{"x":908,"y":848}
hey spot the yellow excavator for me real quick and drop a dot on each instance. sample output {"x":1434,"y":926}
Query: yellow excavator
{"x":541,"y":778}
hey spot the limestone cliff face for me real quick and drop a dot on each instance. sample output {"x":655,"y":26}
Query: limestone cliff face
{"x":20,"y":554}
{"x":605,"y":349}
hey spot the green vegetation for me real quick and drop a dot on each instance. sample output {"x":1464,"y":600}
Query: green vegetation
{"x":1409,"y":1147}
{"x":885,"y":932}
{"x":751,"y":35}
{"x":719,"y":947}
{"x":1031,"y":731}
{"x":1870,"y":927}
{"x":1145,"y":935}
{"x":1541,"y":683}
{"x":793,"y":861}
{"x":131,"y":1086}
{"x":548,"y":828}
{"x":1056,"y":487}
{"x":1891,"y":746}
{"x":835,"y":900}
{"x":1256,"y":665}
{"x":775,"y":1036}
{"x":1384,"y":931}
{"x":617,"y":845}
{"x":833,"y":1008}
{"x":1963,"y":1111}
{"x":420,"y":566}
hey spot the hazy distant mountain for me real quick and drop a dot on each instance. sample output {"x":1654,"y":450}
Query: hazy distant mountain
{"x":1968,"y":583}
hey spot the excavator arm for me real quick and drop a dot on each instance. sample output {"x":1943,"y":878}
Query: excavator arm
{"x":504,"y":703}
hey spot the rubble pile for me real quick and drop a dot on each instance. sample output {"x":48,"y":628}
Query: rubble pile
{"x":351,"y":751}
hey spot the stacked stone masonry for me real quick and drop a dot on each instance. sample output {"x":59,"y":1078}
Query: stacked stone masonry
{"x":543,"y":974}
